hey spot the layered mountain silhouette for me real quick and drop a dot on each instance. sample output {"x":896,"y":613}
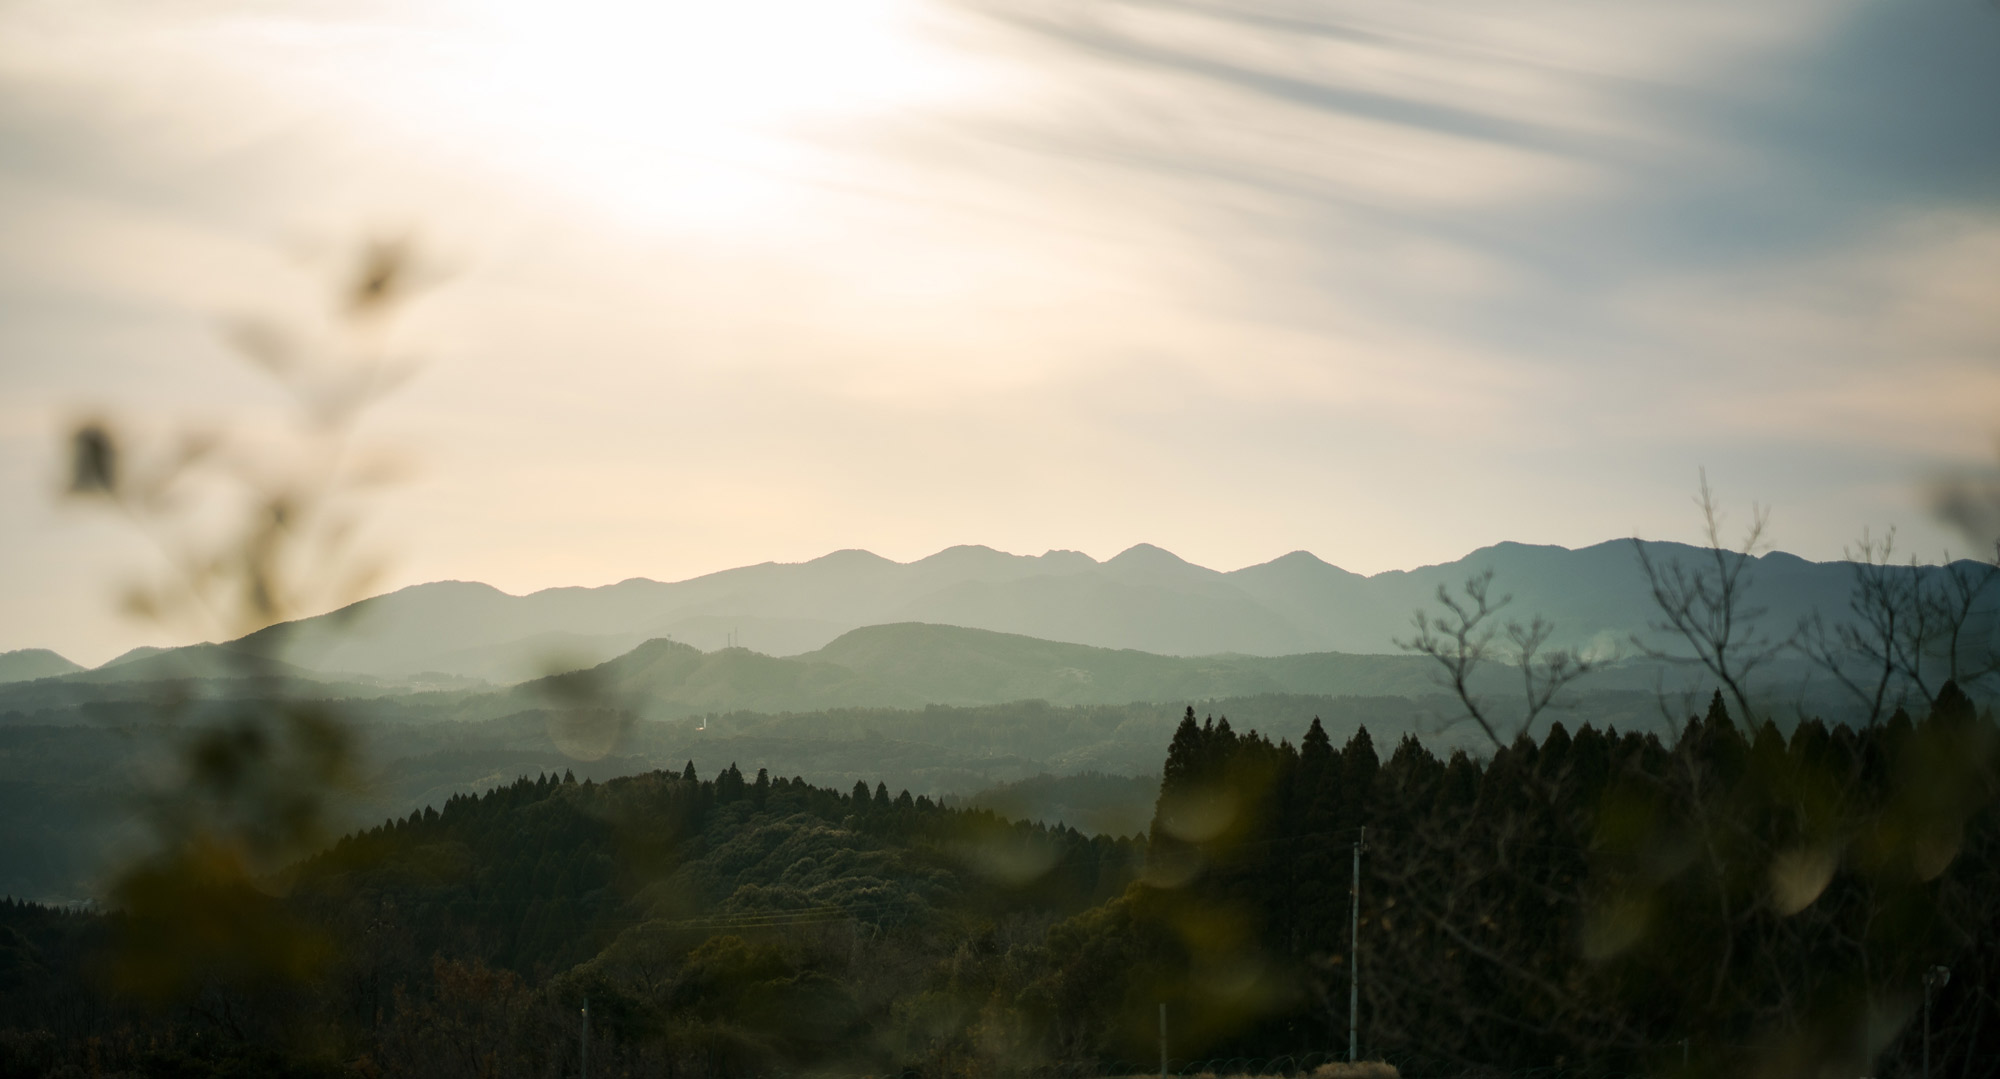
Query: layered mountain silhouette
{"x":915,"y":664}
{"x":1144,"y":599}
{"x":951,"y":672}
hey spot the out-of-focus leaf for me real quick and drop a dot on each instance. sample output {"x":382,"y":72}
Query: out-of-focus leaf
{"x":1799,"y":875}
{"x":93,"y":460}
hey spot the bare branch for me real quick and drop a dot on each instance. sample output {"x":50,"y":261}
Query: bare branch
{"x":1707,"y":607}
{"x":1459,"y":641}
{"x":1864,"y":653}
{"x":1968,"y":645}
{"x":1462,"y":638}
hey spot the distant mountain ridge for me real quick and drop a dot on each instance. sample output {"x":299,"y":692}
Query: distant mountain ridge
{"x":28,"y":664}
{"x":916,"y":664}
{"x":1145,"y":599}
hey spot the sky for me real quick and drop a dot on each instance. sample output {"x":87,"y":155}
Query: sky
{"x":716,"y":284}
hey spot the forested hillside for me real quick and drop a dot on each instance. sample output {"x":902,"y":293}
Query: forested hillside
{"x":735,"y":925}
{"x":1595,"y":902}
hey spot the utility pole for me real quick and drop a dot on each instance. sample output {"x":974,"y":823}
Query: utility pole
{"x":1163,"y":1040}
{"x":586,"y":1038}
{"x":1354,"y":957}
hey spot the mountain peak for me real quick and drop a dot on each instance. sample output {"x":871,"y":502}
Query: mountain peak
{"x":964,"y":554}
{"x":851,"y":556}
{"x":1145,"y":554}
{"x":1298,"y":565}
{"x":1516,"y":546}
{"x":436,"y":587}
{"x":144,"y":651}
{"x":1302,"y":560}
{"x":28,"y":664}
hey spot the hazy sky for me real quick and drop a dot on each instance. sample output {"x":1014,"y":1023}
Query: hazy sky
{"x":756,"y":280}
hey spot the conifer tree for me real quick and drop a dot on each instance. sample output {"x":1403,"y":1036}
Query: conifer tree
{"x":1952,"y":706}
{"x":1183,"y":755}
{"x":1315,"y":753}
{"x":1358,"y":766}
{"x":1718,"y":713}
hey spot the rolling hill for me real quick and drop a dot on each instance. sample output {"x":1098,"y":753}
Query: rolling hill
{"x":913,"y":665}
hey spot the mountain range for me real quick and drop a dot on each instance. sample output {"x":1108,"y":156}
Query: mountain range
{"x":453,"y":633}
{"x":852,"y":667}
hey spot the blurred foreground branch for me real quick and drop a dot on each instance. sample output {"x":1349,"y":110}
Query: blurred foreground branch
{"x":253,"y":532}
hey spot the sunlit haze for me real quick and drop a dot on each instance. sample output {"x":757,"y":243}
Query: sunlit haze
{"x":722,"y":283}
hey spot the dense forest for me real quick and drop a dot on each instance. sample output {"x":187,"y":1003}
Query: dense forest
{"x":1726,"y":901}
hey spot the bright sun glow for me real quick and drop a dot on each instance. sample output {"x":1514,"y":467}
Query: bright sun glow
{"x":687,"y":113}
